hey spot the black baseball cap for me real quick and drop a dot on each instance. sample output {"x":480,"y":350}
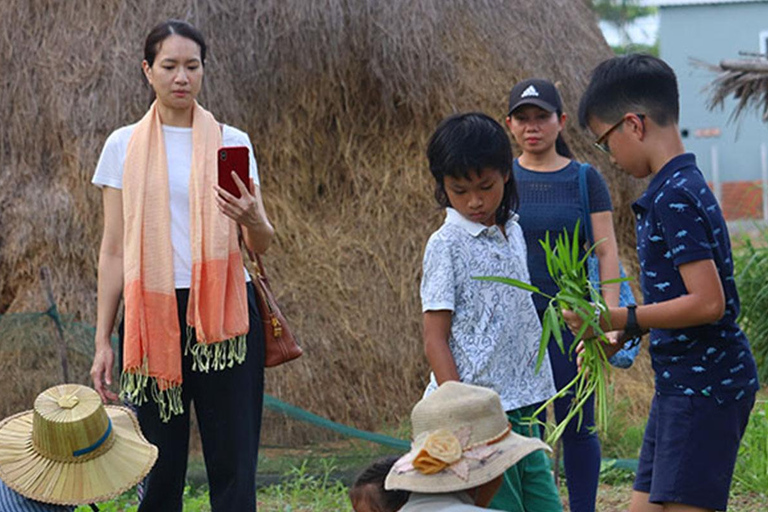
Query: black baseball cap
{"x":535,"y":91}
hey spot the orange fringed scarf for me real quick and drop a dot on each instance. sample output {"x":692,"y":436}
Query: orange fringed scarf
{"x":217,"y":311}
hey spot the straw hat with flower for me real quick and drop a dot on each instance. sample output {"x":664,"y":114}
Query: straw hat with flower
{"x":71,"y":449}
{"x":462,"y":439}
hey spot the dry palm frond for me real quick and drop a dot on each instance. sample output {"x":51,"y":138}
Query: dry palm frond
{"x":746,"y":80}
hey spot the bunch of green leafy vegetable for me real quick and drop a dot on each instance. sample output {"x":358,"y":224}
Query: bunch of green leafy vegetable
{"x":569,"y":270}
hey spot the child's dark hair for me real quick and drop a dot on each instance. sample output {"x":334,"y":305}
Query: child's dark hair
{"x":162,"y":31}
{"x":369,"y":487}
{"x":469,"y":143}
{"x":635,"y":83}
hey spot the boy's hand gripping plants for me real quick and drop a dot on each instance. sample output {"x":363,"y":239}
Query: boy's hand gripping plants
{"x":570,"y":273}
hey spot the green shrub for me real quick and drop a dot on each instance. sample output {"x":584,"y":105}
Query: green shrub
{"x":750,"y":260}
{"x":195,"y":500}
{"x":306,"y":492}
{"x":611,"y":474}
{"x":623,"y":435}
{"x":752,"y":465}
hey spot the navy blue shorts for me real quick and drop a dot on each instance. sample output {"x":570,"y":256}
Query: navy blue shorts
{"x":689,"y":449}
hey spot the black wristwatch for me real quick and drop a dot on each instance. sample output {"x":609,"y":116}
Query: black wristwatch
{"x":632,"y":329}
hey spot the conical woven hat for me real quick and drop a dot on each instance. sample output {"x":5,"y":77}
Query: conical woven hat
{"x":71,"y":449}
{"x":462,"y":439}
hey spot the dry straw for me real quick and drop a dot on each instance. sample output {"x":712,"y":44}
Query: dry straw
{"x":339,"y":97}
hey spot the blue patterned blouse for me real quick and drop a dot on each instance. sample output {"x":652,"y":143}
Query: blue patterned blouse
{"x":550,"y":201}
{"x":11,"y":501}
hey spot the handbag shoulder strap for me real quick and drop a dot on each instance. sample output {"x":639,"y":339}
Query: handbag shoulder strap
{"x":586,"y":220}
{"x":258,"y":266}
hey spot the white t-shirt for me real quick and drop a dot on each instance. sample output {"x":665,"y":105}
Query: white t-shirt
{"x":178,"y":149}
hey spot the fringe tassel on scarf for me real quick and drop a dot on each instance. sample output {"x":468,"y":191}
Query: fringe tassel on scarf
{"x":215,"y":355}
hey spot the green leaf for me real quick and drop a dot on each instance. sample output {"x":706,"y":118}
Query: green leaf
{"x":555,"y":319}
{"x":580,"y":334}
{"x":546,"y":332}
{"x":547,"y":253}
{"x":587,"y":254}
{"x":617,"y":280}
{"x":575,"y":248}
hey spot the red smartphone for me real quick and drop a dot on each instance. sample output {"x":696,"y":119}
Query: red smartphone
{"x":233,"y":158}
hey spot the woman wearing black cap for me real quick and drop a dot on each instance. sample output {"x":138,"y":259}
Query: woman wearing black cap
{"x":548,"y":184}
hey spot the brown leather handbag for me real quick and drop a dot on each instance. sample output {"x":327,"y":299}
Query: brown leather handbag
{"x":280,"y":344}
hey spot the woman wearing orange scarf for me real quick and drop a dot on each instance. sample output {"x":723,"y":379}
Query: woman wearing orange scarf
{"x":191,"y":331}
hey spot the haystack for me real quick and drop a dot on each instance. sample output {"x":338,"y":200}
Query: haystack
{"x":339,"y":97}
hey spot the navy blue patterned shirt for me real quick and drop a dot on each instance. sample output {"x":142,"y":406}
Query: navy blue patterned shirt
{"x":678,"y":221}
{"x":550,"y":201}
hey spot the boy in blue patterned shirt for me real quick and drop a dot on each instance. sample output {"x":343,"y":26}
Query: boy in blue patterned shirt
{"x":706,"y":377}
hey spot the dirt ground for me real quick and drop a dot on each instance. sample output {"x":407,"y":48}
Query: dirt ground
{"x":615,"y":498}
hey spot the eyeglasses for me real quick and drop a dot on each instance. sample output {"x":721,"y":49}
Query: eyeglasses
{"x":602,"y":141}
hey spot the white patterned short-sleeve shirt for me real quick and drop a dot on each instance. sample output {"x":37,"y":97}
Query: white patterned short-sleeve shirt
{"x":495,"y":331}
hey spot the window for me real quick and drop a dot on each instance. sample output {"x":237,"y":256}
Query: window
{"x":764,"y":43}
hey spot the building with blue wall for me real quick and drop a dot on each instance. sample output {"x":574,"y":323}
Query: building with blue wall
{"x":730,"y":153}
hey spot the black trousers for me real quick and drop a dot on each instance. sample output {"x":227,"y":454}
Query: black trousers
{"x":228,"y":404}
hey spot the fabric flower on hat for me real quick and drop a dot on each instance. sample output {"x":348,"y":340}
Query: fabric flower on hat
{"x":442,"y":449}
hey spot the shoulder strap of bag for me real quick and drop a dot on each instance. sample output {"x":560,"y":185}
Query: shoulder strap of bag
{"x":586,"y":220}
{"x":258,"y":266}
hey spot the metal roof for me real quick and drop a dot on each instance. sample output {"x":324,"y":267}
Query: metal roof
{"x":675,"y":3}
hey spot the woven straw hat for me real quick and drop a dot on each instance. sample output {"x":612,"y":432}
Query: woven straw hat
{"x":462,"y":439}
{"x":71,"y":450}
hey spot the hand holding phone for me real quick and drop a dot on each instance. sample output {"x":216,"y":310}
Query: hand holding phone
{"x":233,"y":158}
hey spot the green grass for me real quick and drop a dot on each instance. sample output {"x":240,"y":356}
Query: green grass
{"x":349,"y":458}
{"x":194,"y":501}
{"x":306,"y":492}
{"x":751,"y":471}
{"x":311,"y":485}
{"x":611,"y":474}
{"x":622,"y":438}
{"x":301,"y":490}
{"x":750,"y":264}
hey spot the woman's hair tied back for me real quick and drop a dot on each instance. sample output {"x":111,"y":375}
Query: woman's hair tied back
{"x":167,"y":28}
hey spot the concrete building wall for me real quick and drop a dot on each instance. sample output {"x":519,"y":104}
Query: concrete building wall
{"x":713,"y":32}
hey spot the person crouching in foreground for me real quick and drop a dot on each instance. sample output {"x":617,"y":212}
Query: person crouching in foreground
{"x":463,"y":444}
{"x":367,"y":494}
